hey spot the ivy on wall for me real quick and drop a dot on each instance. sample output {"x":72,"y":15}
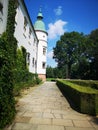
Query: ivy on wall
{"x":13,"y":68}
{"x":8,"y":45}
{"x":7,"y":103}
{"x":10,"y":29}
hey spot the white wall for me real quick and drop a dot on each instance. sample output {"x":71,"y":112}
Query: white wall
{"x":3,"y":16}
{"x":22,"y":36}
{"x":42,"y":36}
{"x":29,"y":42}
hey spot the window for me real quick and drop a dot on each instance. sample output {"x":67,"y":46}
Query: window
{"x":29,"y":43}
{"x":24,"y":35}
{"x":1,"y":12}
{"x":34,"y":40}
{"x":25,"y":23}
{"x":33,"y":60}
{"x":44,"y":50}
{"x":43,"y":36}
{"x":43,"y":65}
{"x":30,"y":31}
{"x":35,"y":63}
{"x":1,"y":8}
{"x":28,"y":58}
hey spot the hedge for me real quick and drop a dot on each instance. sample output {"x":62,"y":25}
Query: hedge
{"x":84,"y":99}
{"x":86,"y":83}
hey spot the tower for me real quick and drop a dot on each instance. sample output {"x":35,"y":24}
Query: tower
{"x":42,"y":46}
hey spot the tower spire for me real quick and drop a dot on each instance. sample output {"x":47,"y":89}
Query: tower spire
{"x":40,"y":9}
{"x":40,"y":15}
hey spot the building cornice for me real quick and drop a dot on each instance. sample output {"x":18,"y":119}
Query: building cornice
{"x":42,"y":31}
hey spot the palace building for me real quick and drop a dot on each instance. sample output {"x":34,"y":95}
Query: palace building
{"x":32,"y":37}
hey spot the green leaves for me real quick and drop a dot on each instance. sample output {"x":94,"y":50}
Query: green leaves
{"x":78,"y":54}
{"x":7,"y":106}
{"x":8,"y":45}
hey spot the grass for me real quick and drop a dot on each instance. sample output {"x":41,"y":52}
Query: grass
{"x":51,"y":79}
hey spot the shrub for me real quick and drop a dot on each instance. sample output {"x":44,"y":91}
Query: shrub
{"x":8,"y":45}
{"x":7,"y":103}
{"x":84,"y":98}
{"x":86,"y":83}
{"x":22,"y":77}
{"x":37,"y":79}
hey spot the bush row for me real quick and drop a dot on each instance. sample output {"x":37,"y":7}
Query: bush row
{"x":86,"y":83}
{"x":24,"y":79}
{"x":85,"y":102}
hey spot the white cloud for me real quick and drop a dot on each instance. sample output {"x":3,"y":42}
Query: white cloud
{"x":58,"y":11}
{"x":50,"y":54}
{"x":56,"y":29}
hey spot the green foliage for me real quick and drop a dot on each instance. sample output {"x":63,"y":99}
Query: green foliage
{"x":29,"y":80}
{"x":22,"y":77}
{"x":11,"y":18}
{"x":77,"y":55}
{"x":86,"y":83}
{"x":49,"y":72}
{"x":37,"y":80}
{"x":54,"y":72}
{"x":7,"y":103}
{"x":68,"y":49}
{"x":8,"y":45}
{"x":94,"y":54}
{"x":13,"y":69}
{"x":84,"y":98}
{"x":20,"y":71}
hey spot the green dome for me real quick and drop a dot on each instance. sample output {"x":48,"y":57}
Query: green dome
{"x":39,"y":24}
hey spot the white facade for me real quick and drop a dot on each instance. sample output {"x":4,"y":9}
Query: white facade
{"x":3,"y":15}
{"x":42,"y":45}
{"x":42,"y":50}
{"x":26,"y":36}
{"x":34,"y":41}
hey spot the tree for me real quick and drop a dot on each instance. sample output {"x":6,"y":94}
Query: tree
{"x":49,"y":72}
{"x":69,"y":50}
{"x":94,"y":53}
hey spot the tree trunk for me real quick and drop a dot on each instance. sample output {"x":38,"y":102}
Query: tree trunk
{"x":68,"y":71}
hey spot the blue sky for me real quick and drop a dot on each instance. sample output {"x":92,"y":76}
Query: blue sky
{"x":64,"y":16}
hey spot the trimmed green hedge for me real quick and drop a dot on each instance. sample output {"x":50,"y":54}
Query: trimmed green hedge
{"x":84,"y":98}
{"x":86,"y":83}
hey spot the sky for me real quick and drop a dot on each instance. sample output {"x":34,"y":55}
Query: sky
{"x":64,"y":16}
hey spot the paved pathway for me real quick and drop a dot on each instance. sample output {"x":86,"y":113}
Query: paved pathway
{"x":45,"y":108}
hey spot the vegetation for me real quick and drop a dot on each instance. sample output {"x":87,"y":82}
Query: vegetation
{"x":86,"y":83}
{"x":7,"y":103}
{"x":54,"y":72}
{"x":85,"y":99}
{"x":22,"y":77}
{"x":77,"y":55}
{"x":7,"y":57}
{"x":14,"y":74}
